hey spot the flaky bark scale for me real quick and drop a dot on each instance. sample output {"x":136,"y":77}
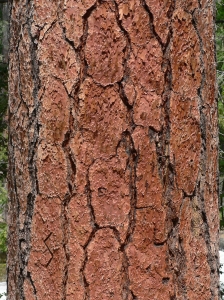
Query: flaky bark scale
{"x":112,"y":151}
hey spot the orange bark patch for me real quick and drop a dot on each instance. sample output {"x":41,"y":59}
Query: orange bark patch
{"x":110,"y":186}
{"x":58,"y":60}
{"x":73,"y":21}
{"x":104,"y":46}
{"x":102,"y":119}
{"x":147,"y":256}
{"x":148,"y":182}
{"x":103,"y":270}
{"x":185,"y":141}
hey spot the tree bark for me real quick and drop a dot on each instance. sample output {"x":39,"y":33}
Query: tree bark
{"x":5,"y":29}
{"x":113,"y":147}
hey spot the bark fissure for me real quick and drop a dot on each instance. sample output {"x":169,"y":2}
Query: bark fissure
{"x":88,"y":192}
{"x":65,"y":243}
{"x":71,"y":173}
{"x":81,"y":47}
{"x":151,"y":24}
{"x":166,"y":168}
{"x":25,"y":233}
{"x":51,"y":253}
{"x":133,"y":158}
{"x":200,"y":183}
{"x":32,"y":283}
{"x":95,"y":228}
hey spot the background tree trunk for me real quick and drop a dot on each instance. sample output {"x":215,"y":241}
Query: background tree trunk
{"x":113,"y":150}
{"x":5,"y":35}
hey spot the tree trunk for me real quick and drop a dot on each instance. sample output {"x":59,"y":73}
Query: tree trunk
{"x":5,"y":35}
{"x":112,"y":151}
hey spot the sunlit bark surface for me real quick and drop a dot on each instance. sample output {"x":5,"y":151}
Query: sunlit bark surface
{"x":113,"y":151}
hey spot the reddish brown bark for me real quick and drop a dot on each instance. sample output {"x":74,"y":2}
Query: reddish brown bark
{"x":113,"y":151}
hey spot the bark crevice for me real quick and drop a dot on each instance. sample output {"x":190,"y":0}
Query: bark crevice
{"x":202,"y":181}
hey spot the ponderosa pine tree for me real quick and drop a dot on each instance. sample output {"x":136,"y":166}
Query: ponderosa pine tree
{"x":113,"y":150}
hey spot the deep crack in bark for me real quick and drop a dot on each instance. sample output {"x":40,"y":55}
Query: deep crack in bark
{"x":200,"y":185}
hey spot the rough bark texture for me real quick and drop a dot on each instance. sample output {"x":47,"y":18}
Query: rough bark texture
{"x":5,"y":29}
{"x":113,"y":150}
